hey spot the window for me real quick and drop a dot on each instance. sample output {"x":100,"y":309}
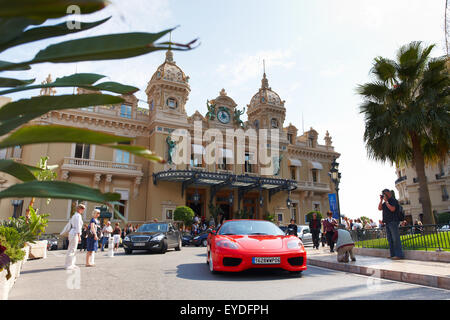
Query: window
{"x":315,"y":176}
{"x":280,"y":217}
{"x":294,"y":211}
{"x":169,"y":214}
{"x":91,"y":109}
{"x":82,"y":151}
{"x":125,"y":111}
{"x":172,"y":103}
{"x":122,"y":156}
{"x":124,"y":201}
{"x":3,"y":153}
{"x":151,"y":106}
{"x":316,"y":206}
{"x":17,"y":152}
{"x":274,"y":123}
{"x":223,"y":165}
{"x":248,"y":165}
{"x":289,"y":136}
{"x":293,"y":173}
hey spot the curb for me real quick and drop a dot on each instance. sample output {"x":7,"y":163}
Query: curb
{"x":440,"y":282}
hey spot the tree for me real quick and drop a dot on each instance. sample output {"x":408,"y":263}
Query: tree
{"x":21,"y":23}
{"x":407,"y":112}
{"x":184,"y":214}
{"x":310,"y":214}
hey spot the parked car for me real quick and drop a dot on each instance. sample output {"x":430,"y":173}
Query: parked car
{"x":244,"y":244}
{"x":305,"y":234}
{"x":52,"y":241}
{"x":153,"y":236}
{"x":186,"y":239}
{"x":201,"y":239}
{"x":444,"y":228}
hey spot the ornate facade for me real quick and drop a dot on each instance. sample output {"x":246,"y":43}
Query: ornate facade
{"x":152,"y":190}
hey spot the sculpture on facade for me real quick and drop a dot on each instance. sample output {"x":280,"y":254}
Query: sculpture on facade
{"x":237,"y":117}
{"x":211,"y":110}
{"x":171,"y":144}
{"x":277,"y":165}
{"x":47,"y":91}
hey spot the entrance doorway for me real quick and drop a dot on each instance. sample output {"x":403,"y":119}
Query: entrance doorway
{"x":198,"y":207}
{"x":223,"y":201}
{"x":251,"y":205}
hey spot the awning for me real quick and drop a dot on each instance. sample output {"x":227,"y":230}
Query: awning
{"x":295,"y":163}
{"x":316,"y":165}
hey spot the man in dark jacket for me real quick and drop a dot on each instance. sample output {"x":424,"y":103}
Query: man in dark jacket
{"x":293,"y":228}
{"x":390,"y":206}
{"x":315,"y":225}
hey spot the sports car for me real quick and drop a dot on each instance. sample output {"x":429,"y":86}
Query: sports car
{"x":245,"y":244}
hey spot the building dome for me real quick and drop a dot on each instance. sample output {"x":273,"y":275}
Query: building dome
{"x":266,"y":95}
{"x":169,"y":71}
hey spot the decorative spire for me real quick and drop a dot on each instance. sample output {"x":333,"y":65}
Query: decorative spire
{"x":264,"y":81}
{"x":327,"y":139}
{"x":169,"y":53}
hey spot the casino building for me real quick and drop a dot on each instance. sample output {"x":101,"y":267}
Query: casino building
{"x":298,"y":184}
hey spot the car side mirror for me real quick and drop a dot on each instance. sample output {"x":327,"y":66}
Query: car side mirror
{"x":213,"y":232}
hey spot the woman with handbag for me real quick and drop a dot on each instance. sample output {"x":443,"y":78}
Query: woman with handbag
{"x":92,"y":239}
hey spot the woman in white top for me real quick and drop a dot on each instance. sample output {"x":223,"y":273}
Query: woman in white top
{"x":74,"y":237}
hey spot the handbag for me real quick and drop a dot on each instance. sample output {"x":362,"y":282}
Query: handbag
{"x":65,"y":231}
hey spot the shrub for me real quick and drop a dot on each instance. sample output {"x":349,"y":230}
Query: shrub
{"x":310,"y":214}
{"x":184,"y":214}
{"x":11,"y":240}
{"x":443,"y":218}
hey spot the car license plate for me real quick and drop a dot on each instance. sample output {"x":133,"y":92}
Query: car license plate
{"x":139,"y":244}
{"x":266,"y":260}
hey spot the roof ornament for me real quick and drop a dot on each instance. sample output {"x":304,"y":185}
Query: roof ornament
{"x":169,"y":53}
{"x":47,"y":91}
{"x":264,"y":81}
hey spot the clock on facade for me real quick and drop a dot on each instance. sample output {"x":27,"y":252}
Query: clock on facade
{"x":223,"y":115}
{"x":172,"y":103}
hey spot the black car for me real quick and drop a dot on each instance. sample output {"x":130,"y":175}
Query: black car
{"x":153,"y":236}
{"x":201,"y":239}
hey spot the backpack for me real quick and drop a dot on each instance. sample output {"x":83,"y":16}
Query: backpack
{"x":400,"y":213}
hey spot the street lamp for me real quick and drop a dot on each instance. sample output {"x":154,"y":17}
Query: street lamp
{"x":196,"y":197}
{"x":335,"y":176}
{"x":231,"y":198}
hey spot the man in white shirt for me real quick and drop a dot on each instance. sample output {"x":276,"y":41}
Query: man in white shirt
{"x":74,"y":237}
{"x":107,"y":230}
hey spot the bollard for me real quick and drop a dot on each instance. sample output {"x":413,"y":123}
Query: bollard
{"x":111,"y":247}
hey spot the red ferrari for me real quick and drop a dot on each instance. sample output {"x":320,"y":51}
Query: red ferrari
{"x":244,"y":244}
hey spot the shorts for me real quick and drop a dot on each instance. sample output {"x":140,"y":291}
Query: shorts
{"x":116,"y":238}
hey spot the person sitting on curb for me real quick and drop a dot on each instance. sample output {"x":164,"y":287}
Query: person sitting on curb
{"x":344,"y":244}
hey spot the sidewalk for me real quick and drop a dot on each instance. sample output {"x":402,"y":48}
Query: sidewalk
{"x":426,"y":273}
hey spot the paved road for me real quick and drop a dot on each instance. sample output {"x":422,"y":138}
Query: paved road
{"x":185,"y":275}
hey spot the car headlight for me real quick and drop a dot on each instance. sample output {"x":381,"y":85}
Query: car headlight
{"x":197,"y":237}
{"x":294,"y":244}
{"x":126,"y":238}
{"x":226,"y":244}
{"x":159,"y":237}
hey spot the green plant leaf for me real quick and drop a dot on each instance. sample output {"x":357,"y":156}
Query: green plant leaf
{"x":13,"y":27}
{"x":81,"y":80}
{"x":105,"y":47}
{"x":20,"y":171}
{"x":57,"y":190}
{"x":55,"y":133}
{"x":16,"y":113}
{"x":9,"y":82}
{"x":115,"y":87}
{"x":46,"y":32}
{"x":46,"y":9}
{"x":10,"y":66}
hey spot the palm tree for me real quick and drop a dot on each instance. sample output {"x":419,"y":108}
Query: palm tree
{"x":407,"y":113}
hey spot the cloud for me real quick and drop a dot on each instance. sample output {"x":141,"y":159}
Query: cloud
{"x":332,"y":71}
{"x":249,"y":66}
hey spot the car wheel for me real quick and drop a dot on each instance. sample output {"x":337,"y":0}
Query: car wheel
{"x":128,"y":251}
{"x":211,"y":265}
{"x":178,"y":248}
{"x":164,"y":246}
{"x":205,"y":243}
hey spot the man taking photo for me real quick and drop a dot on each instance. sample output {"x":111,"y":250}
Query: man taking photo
{"x":390,"y":207}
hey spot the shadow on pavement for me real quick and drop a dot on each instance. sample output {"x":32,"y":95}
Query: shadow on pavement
{"x":200,"y":271}
{"x":42,"y":270}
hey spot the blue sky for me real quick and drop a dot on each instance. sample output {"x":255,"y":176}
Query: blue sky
{"x":316,"y":53}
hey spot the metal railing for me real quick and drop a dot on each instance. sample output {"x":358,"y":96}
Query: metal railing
{"x":425,"y":237}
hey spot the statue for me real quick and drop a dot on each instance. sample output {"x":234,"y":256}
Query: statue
{"x":237,"y":117}
{"x":47,"y":91}
{"x":211,"y":110}
{"x":171,"y":144}
{"x":277,"y":165}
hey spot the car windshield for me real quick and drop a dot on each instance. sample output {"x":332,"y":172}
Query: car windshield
{"x":153,"y":227}
{"x":248,"y":227}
